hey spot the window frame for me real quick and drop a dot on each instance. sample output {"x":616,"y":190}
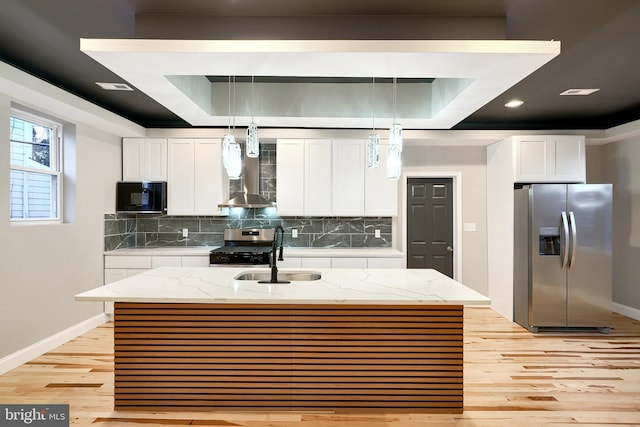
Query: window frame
{"x":56,"y":146}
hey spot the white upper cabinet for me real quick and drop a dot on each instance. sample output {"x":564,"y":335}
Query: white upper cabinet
{"x":549,"y":158}
{"x":144,"y":159}
{"x":381,"y":193}
{"x":211,"y":186}
{"x":317,"y":182}
{"x":290,"y":177}
{"x":196,"y":181}
{"x":347,"y":177}
{"x":331,"y":178}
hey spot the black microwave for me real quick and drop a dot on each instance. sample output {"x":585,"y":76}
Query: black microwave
{"x":141,"y":197}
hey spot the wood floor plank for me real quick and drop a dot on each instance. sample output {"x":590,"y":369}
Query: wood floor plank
{"x":511,"y":378}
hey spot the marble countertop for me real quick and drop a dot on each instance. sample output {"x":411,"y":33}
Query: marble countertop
{"x":337,"y":286}
{"x":288,"y":251}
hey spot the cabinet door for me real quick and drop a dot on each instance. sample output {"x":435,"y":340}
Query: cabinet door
{"x":347,"y":177}
{"x":132,"y":159}
{"x":180,"y":177}
{"x":569,"y":162}
{"x":210,"y":185}
{"x":381,"y":193}
{"x":290,"y":177}
{"x":155,"y":159}
{"x":532,"y":158}
{"x":317,"y":184}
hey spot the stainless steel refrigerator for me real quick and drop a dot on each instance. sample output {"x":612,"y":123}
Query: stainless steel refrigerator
{"x":562,"y":256}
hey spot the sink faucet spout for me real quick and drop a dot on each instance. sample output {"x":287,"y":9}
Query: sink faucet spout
{"x":274,"y":251}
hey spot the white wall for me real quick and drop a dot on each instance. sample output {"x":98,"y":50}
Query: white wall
{"x":44,"y":266}
{"x":470,"y":163}
{"x":618,"y":163}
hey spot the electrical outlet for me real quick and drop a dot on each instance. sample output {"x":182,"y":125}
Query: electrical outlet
{"x":185,"y":232}
{"x":294,"y":233}
{"x":376,"y":233}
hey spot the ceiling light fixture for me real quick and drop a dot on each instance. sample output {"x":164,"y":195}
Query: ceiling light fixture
{"x":114,"y":86}
{"x":579,"y":92}
{"x":514,"y":103}
{"x":252,"y":143}
{"x":373,"y":145}
{"x":394,"y":157}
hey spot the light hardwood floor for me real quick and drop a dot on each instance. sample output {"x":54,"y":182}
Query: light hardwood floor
{"x":512,"y":378}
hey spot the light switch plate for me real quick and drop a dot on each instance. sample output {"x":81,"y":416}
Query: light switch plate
{"x":469,"y":226}
{"x":377,"y":234}
{"x":185,"y":232}
{"x":294,"y":233}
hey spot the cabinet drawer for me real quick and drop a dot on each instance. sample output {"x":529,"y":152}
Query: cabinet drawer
{"x":195,"y":261}
{"x":348,"y":263}
{"x":127,"y":261}
{"x":166,"y":261}
{"x":384,"y":263}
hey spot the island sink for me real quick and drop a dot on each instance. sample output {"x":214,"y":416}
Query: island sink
{"x":293,"y":276}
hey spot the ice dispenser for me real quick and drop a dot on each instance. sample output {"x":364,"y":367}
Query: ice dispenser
{"x":549,"y":240}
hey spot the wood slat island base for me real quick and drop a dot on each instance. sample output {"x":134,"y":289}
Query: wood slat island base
{"x":311,"y":357}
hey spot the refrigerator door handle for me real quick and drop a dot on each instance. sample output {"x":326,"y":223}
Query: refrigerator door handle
{"x":565,"y":249}
{"x":572,"y":221}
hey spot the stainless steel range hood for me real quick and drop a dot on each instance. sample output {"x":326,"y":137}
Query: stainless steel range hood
{"x":251,"y":197}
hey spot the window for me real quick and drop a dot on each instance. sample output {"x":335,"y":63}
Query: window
{"x":36,"y":166}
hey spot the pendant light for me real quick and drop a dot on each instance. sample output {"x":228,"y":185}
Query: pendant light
{"x":234,"y":152}
{"x":253,"y":143}
{"x":394,"y":157}
{"x":373,"y":145}
{"x":228,"y":138}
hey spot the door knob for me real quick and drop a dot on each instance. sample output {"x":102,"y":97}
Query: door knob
{"x":449,"y":249}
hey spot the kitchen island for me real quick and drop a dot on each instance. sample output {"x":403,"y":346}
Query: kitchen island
{"x":354,"y":340}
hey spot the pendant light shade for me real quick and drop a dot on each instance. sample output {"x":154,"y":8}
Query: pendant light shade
{"x":395,"y":135}
{"x":227,"y":141}
{"x":394,"y":162}
{"x":231,"y":151}
{"x":234,"y":162}
{"x":373,"y":150}
{"x":373,"y":145}
{"x":253,"y":143}
{"x":394,"y":158}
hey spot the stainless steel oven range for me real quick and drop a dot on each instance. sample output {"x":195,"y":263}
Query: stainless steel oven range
{"x":244,"y":246}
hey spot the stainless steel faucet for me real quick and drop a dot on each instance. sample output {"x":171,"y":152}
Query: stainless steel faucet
{"x":274,"y":267}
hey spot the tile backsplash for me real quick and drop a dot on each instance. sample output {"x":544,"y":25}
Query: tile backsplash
{"x":151,"y":231}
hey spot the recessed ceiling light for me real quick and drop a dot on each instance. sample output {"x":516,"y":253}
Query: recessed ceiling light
{"x":114,"y":86}
{"x":579,"y":91}
{"x":514,"y":103}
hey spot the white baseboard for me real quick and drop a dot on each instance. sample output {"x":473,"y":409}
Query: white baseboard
{"x":26,"y":354}
{"x":634,"y":313}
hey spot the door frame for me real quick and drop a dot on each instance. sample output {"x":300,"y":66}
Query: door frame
{"x":457,"y":215}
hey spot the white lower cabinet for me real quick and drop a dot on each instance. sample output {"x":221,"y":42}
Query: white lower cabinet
{"x":315,"y":262}
{"x":348,"y":263}
{"x":384,"y":263}
{"x":195,"y":261}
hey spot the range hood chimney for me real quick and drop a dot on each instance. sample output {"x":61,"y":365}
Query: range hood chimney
{"x":251,"y":197}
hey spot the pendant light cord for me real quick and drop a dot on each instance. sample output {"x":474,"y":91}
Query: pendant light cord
{"x":229,"y":124}
{"x":394,"y":101}
{"x":373,"y":103}
{"x":252,"y":99}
